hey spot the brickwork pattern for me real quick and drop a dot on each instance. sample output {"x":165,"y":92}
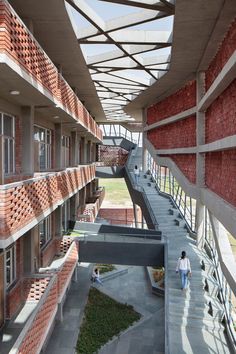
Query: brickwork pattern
{"x":174,"y":135}
{"x":33,"y":339}
{"x":220,"y":172}
{"x":65,"y":244}
{"x":112,"y":156}
{"x":18,"y":43}
{"x":226,"y":49}
{"x":221,"y":115}
{"x":34,"y":288}
{"x":21,"y":204}
{"x":187,"y":164}
{"x":48,"y":290}
{"x":180,"y":101}
{"x":90,"y":210}
{"x":67,"y":269}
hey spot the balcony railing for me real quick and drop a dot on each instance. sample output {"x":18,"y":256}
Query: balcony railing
{"x":36,"y":329}
{"x":19,"y":45}
{"x":23,"y":202}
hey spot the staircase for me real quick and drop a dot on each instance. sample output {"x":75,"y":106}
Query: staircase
{"x":193,"y":317}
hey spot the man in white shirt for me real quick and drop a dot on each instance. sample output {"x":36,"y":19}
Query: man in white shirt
{"x":184,"y":269}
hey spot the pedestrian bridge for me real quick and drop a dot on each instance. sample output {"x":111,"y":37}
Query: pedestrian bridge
{"x":120,"y":245}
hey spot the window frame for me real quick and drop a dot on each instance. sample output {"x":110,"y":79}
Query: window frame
{"x":47,"y":145}
{"x":47,"y":232}
{"x":12,"y":259}
{"x":9,"y":140}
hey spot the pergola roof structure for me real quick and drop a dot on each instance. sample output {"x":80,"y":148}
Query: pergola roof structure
{"x":130,"y":58}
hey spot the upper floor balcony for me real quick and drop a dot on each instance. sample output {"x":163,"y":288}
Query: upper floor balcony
{"x":25,"y":203}
{"x":31,"y":72}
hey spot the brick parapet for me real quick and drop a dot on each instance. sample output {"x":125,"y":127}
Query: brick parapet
{"x":20,"y":46}
{"x":48,"y":291}
{"x":25,"y":201}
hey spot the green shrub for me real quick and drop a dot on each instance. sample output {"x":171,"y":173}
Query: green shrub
{"x":104,"y":268}
{"x":103,"y":319}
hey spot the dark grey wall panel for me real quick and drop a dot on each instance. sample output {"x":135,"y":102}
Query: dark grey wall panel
{"x":118,"y":230}
{"x":122,"y":253}
{"x":118,"y":141}
{"x":110,"y":172}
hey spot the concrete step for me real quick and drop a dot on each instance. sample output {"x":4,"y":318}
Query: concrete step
{"x":202,"y":323}
{"x":186,"y":339}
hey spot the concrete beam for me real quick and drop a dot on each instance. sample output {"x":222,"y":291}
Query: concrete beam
{"x":223,"y":80}
{"x":172,"y":119}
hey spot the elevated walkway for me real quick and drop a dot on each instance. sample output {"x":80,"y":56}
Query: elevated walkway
{"x":120,"y":245}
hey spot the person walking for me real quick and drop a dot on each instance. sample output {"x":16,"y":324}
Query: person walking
{"x":184,"y":269}
{"x":136,"y":174}
{"x":96,"y":276}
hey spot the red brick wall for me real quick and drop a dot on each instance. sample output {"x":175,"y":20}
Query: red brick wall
{"x":226,"y":49}
{"x":14,"y":300}
{"x":180,"y":101}
{"x":112,"y":156}
{"x":48,"y":253}
{"x":220,"y":172}
{"x":119,"y":216}
{"x":221,"y":115}
{"x":174,"y":135}
{"x":187,"y":164}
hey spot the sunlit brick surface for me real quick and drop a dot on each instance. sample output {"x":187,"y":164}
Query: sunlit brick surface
{"x":67,"y":269}
{"x":180,"y":101}
{"x":226,"y":49}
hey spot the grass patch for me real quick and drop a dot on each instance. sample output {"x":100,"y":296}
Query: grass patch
{"x":116,"y":191}
{"x":104,"y":268}
{"x":104,"y":318}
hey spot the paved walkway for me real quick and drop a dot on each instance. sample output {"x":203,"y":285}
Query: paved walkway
{"x":64,"y":337}
{"x":146,"y":337}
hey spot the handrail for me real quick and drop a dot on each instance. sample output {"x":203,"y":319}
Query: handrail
{"x":227,"y":314}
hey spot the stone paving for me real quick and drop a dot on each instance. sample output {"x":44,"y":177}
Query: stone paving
{"x":146,"y":337}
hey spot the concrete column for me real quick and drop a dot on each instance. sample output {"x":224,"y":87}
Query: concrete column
{"x":200,"y":224}
{"x":74,"y":148}
{"x":58,"y":222}
{"x":144,"y":151}
{"x":135,"y":215}
{"x":200,"y":131}
{"x":28,"y":251}
{"x":73,"y":207}
{"x":27,"y":114}
{"x":58,"y":146}
{"x":1,"y":159}
{"x":89,"y":156}
{"x":29,"y":24}
{"x":82,"y":150}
